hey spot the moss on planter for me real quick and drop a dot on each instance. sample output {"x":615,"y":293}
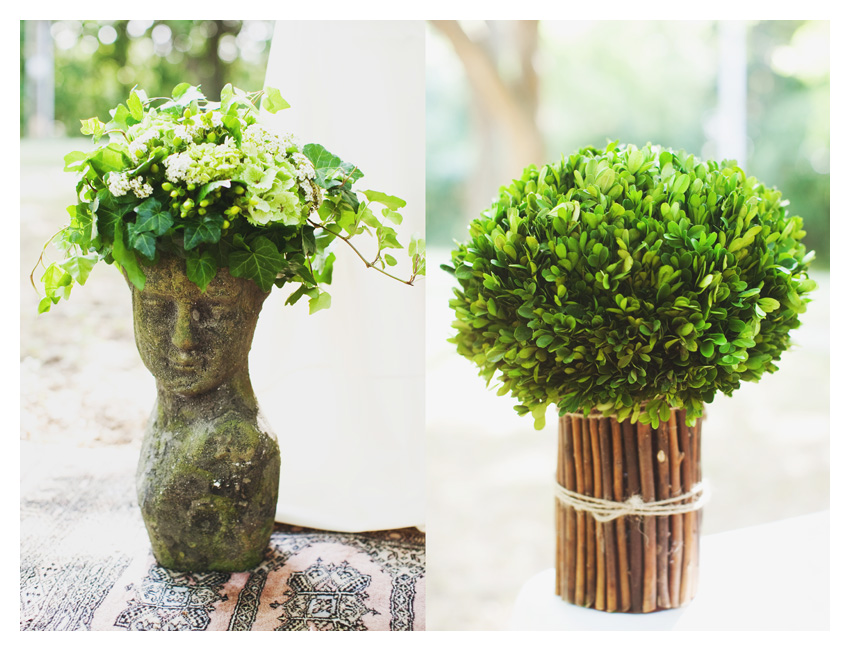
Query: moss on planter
{"x":208,"y":493}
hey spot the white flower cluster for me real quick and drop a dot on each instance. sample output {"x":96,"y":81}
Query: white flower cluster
{"x":303,"y":166}
{"x":288,"y":140}
{"x":202,"y":163}
{"x":140,"y":188}
{"x":177,"y":165}
{"x":121,"y":184}
{"x":118,"y":184}
{"x":267,"y":141}
{"x":305,"y":172}
{"x":191,"y":129}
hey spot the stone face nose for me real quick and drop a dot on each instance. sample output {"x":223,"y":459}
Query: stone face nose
{"x":184,"y":335}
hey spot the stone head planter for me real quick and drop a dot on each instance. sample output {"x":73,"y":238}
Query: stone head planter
{"x":208,"y":474}
{"x":627,"y":286}
{"x":204,"y":211}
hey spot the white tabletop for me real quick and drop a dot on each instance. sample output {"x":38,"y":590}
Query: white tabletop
{"x":772,"y":576}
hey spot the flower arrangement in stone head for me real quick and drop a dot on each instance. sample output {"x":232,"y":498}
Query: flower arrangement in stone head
{"x":629,"y":281}
{"x":206,"y":182}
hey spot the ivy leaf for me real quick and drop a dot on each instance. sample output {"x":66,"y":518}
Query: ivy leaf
{"x":109,"y":159}
{"x":206,"y":229}
{"x":330,"y":169}
{"x":126,"y":259}
{"x":391,"y":202}
{"x":321,"y":302}
{"x":201,"y":268}
{"x":121,"y":118}
{"x":261,"y":264}
{"x":387,"y":238}
{"x":108,"y":213}
{"x":303,"y":290}
{"x":79,"y":266}
{"x":74,"y":160}
{"x":134,"y":103}
{"x":393,"y":216}
{"x":152,"y":217}
{"x":179,"y":89}
{"x":142,"y":241}
{"x":92,"y":127}
{"x":324,"y":268}
{"x":226,"y":97}
{"x":416,"y":246}
{"x":57,"y":282}
{"x":272,"y":100}
{"x":184,"y":94}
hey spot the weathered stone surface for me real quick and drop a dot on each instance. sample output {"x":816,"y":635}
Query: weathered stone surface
{"x":207,"y":478}
{"x":208,"y":492}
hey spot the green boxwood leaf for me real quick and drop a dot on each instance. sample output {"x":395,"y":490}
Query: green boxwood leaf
{"x":544,"y":340}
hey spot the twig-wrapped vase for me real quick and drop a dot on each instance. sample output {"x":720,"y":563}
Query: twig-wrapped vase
{"x":631,"y":563}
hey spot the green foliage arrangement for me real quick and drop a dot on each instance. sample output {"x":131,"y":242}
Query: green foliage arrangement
{"x":629,"y":281}
{"x":206,"y":182}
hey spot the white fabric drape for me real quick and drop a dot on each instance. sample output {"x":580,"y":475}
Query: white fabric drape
{"x":344,"y":388}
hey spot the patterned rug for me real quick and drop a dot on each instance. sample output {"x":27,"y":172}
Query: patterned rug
{"x":86,"y":565}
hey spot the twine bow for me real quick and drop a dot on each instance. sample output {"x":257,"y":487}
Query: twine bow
{"x":606,"y":510}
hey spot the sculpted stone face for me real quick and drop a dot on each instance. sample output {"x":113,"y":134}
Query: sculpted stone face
{"x":193,"y":342}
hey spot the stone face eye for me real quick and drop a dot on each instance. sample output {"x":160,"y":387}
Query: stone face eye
{"x":213,"y":314}
{"x":157,"y":305}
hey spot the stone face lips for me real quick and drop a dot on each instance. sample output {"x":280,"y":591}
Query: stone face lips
{"x":208,"y":493}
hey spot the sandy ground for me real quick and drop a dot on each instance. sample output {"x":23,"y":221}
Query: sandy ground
{"x":490,"y":507}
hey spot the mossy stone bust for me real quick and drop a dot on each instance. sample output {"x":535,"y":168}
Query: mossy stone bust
{"x":209,"y":468}
{"x":629,"y":281}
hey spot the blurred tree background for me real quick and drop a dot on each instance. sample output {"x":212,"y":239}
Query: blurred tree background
{"x":501,"y":95}
{"x":77,"y":69}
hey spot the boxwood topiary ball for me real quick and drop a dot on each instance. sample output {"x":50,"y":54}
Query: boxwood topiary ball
{"x":629,"y":281}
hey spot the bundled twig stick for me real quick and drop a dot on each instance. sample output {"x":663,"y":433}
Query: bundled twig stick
{"x":627,"y":513}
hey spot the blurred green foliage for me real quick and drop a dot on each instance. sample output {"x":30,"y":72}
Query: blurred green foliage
{"x":644,"y":81}
{"x":788,"y":120}
{"x":97,"y":63}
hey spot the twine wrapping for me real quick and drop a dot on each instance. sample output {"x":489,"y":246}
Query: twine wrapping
{"x":606,"y":510}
